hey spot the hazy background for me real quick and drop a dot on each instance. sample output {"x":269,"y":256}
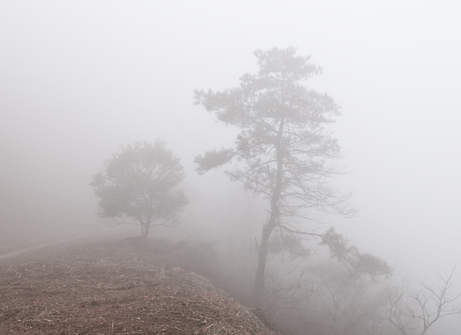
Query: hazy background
{"x":79,"y":78}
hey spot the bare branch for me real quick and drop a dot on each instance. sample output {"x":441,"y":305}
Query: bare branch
{"x":415,"y":313}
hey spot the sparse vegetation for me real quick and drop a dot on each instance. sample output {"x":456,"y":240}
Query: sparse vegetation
{"x":413,"y":311}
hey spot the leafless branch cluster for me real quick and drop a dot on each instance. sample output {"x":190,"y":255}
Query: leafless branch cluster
{"x":414,"y":313}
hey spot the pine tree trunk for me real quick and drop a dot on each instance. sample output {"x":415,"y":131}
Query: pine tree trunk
{"x":258,"y":288}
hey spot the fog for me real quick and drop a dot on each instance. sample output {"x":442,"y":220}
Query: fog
{"x":79,"y":78}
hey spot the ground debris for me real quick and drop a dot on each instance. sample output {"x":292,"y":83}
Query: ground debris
{"x":113,"y":288}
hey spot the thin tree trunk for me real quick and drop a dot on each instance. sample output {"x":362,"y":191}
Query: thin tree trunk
{"x":145,"y":229}
{"x":258,"y":288}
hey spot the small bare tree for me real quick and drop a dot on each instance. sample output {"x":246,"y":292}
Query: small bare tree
{"x":415,"y":313}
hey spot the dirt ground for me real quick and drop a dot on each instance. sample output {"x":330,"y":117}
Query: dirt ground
{"x":123,"y":287}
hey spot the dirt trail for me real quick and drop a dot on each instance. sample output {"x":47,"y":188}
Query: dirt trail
{"x":16,"y":249}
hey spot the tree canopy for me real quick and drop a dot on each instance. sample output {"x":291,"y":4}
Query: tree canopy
{"x":284,"y":151}
{"x":139,"y":185}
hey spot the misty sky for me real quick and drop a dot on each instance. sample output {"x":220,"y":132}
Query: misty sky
{"x":79,"y":78}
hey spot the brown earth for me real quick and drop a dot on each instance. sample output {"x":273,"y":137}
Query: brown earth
{"x":125,"y":287}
